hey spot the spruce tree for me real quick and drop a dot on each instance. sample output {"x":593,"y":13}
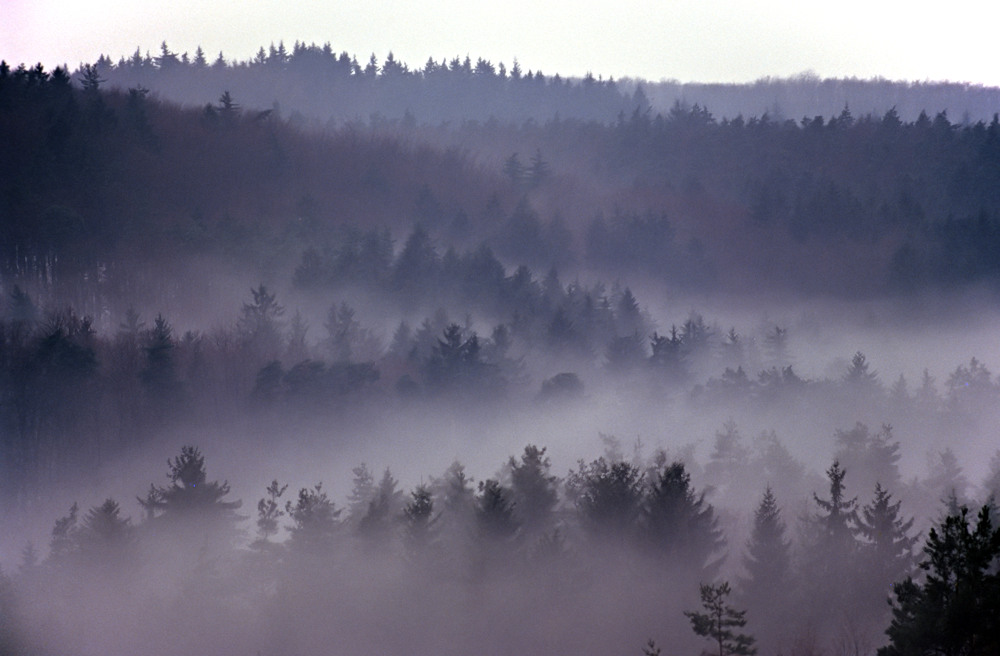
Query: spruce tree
{"x":768,"y":556}
{"x":888,"y":547}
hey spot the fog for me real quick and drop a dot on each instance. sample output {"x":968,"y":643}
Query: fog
{"x":521,"y":377}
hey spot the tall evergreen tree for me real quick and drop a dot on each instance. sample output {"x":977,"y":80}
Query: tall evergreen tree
{"x":679,"y":525}
{"x":768,"y":555}
{"x":888,"y":545}
{"x":767,"y":561}
{"x":534,"y":490}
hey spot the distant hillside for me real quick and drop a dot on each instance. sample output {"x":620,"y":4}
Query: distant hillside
{"x":316,"y":84}
{"x":809,"y":96}
{"x":125,"y":182}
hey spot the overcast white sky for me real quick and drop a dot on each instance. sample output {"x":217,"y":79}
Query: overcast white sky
{"x":688,"y":40}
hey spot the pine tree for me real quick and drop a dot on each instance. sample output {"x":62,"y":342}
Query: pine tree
{"x":720,"y":621}
{"x":269,"y":512}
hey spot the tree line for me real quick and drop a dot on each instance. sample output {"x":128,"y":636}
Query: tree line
{"x":639,"y":519}
{"x":60,"y":376}
{"x":692,"y":201}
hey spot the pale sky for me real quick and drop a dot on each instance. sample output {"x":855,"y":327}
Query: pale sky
{"x":687,"y":40}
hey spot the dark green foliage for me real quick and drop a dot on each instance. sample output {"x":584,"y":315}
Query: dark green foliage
{"x":953,"y":609}
{"x":719,"y":622}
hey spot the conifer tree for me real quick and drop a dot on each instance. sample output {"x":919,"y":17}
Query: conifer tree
{"x":954,"y":608}
{"x":190,"y":493}
{"x":838,"y":521}
{"x":768,"y":554}
{"x":679,"y":525}
{"x":888,"y":545}
{"x":314,"y":521}
{"x":420,"y":523}
{"x":494,"y":513}
{"x":383,"y":512}
{"x":534,"y":490}
{"x":720,"y":622}
{"x":767,"y":561}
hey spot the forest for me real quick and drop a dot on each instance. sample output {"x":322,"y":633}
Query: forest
{"x":488,"y":360}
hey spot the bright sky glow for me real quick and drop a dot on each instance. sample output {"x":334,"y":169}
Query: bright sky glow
{"x":687,"y":40}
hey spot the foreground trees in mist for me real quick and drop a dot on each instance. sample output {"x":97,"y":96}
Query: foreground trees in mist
{"x":954,"y":606}
{"x":633,"y":531}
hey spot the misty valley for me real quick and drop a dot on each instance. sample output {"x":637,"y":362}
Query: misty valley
{"x":303,"y":356}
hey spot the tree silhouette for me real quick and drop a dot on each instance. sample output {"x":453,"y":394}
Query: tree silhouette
{"x":679,"y":525}
{"x":955,"y":608}
{"x":768,"y":564}
{"x":719,"y":622}
{"x":190,"y":494}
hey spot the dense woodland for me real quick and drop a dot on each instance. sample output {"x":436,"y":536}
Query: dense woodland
{"x":483,"y":244}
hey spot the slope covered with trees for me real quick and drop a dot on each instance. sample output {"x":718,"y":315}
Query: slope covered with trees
{"x":452,"y":260}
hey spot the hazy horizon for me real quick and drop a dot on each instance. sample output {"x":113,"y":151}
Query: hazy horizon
{"x":727,"y":41}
